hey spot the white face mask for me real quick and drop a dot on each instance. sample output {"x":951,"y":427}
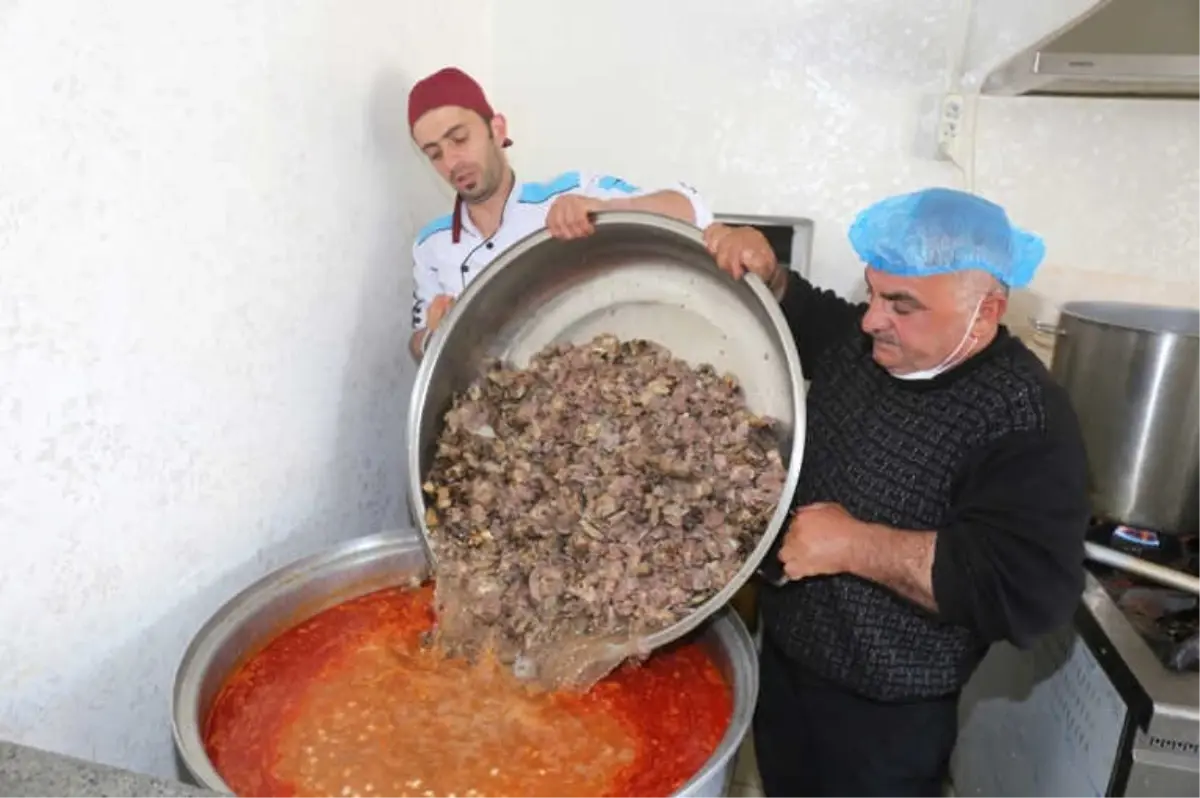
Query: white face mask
{"x":947,"y":363}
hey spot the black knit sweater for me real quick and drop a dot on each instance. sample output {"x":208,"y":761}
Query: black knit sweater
{"x":988,"y":455}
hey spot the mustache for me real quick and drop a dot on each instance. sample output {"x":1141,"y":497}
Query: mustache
{"x":883,"y":337}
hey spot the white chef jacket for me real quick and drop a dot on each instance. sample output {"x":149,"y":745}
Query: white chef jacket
{"x":442,"y":265}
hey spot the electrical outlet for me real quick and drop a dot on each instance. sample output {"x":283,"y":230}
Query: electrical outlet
{"x":949,"y":125}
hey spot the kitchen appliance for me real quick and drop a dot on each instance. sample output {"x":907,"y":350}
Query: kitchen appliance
{"x":1145,"y":48}
{"x":1165,"y":616}
{"x":639,"y":275}
{"x":1145,"y":638}
{"x":299,"y":591}
{"x":1109,"y":705}
{"x":1132,"y":372}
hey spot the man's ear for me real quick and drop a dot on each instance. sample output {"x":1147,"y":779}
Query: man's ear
{"x":993,"y":308}
{"x":499,"y":127}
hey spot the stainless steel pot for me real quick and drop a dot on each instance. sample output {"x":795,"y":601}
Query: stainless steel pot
{"x":1133,"y":375}
{"x":639,"y":275}
{"x":298,"y":591}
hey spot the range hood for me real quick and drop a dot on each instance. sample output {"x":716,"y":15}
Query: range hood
{"x":1118,"y":48}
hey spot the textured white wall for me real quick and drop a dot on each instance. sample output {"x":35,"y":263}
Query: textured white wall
{"x":205,"y":215}
{"x":817,"y":107}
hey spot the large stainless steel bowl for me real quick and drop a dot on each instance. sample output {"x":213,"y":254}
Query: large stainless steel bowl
{"x":639,"y":275}
{"x":296,"y":592}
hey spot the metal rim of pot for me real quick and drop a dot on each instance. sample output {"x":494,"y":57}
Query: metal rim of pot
{"x":1087,"y":311}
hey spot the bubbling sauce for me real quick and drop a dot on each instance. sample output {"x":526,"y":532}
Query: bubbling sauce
{"x":349,"y":703}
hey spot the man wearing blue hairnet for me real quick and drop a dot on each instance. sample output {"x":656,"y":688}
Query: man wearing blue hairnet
{"x":941,"y":504}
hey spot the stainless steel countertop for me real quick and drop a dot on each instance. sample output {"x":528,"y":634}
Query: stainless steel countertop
{"x":32,"y":771}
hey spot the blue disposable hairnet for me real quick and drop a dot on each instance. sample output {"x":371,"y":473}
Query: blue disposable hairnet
{"x":940,"y":230}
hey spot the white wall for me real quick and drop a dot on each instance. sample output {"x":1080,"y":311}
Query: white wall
{"x":816,"y":107}
{"x":205,"y":215}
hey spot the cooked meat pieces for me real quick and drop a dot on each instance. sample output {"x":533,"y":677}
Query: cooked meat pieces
{"x":607,"y":489}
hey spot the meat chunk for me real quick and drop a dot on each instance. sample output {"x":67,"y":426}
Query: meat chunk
{"x":606,"y":490}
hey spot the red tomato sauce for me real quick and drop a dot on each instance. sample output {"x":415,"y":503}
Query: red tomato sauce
{"x":348,"y":703}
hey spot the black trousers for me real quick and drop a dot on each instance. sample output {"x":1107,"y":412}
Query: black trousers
{"x":813,"y":738}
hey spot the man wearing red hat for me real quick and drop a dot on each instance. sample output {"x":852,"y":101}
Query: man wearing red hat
{"x":455,"y":126}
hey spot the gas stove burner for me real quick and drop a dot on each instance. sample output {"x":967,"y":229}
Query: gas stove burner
{"x":1157,"y":546}
{"x":1139,"y":540}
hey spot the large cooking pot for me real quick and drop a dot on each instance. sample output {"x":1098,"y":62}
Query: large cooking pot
{"x":299,"y":591}
{"x":639,"y":275}
{"x":1133,"y":375}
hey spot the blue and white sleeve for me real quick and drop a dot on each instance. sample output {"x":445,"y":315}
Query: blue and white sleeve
{"x":613,"y":187}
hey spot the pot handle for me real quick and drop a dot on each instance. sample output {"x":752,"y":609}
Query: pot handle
{"x":1045,"y":327}
{"x":771,"y":571}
